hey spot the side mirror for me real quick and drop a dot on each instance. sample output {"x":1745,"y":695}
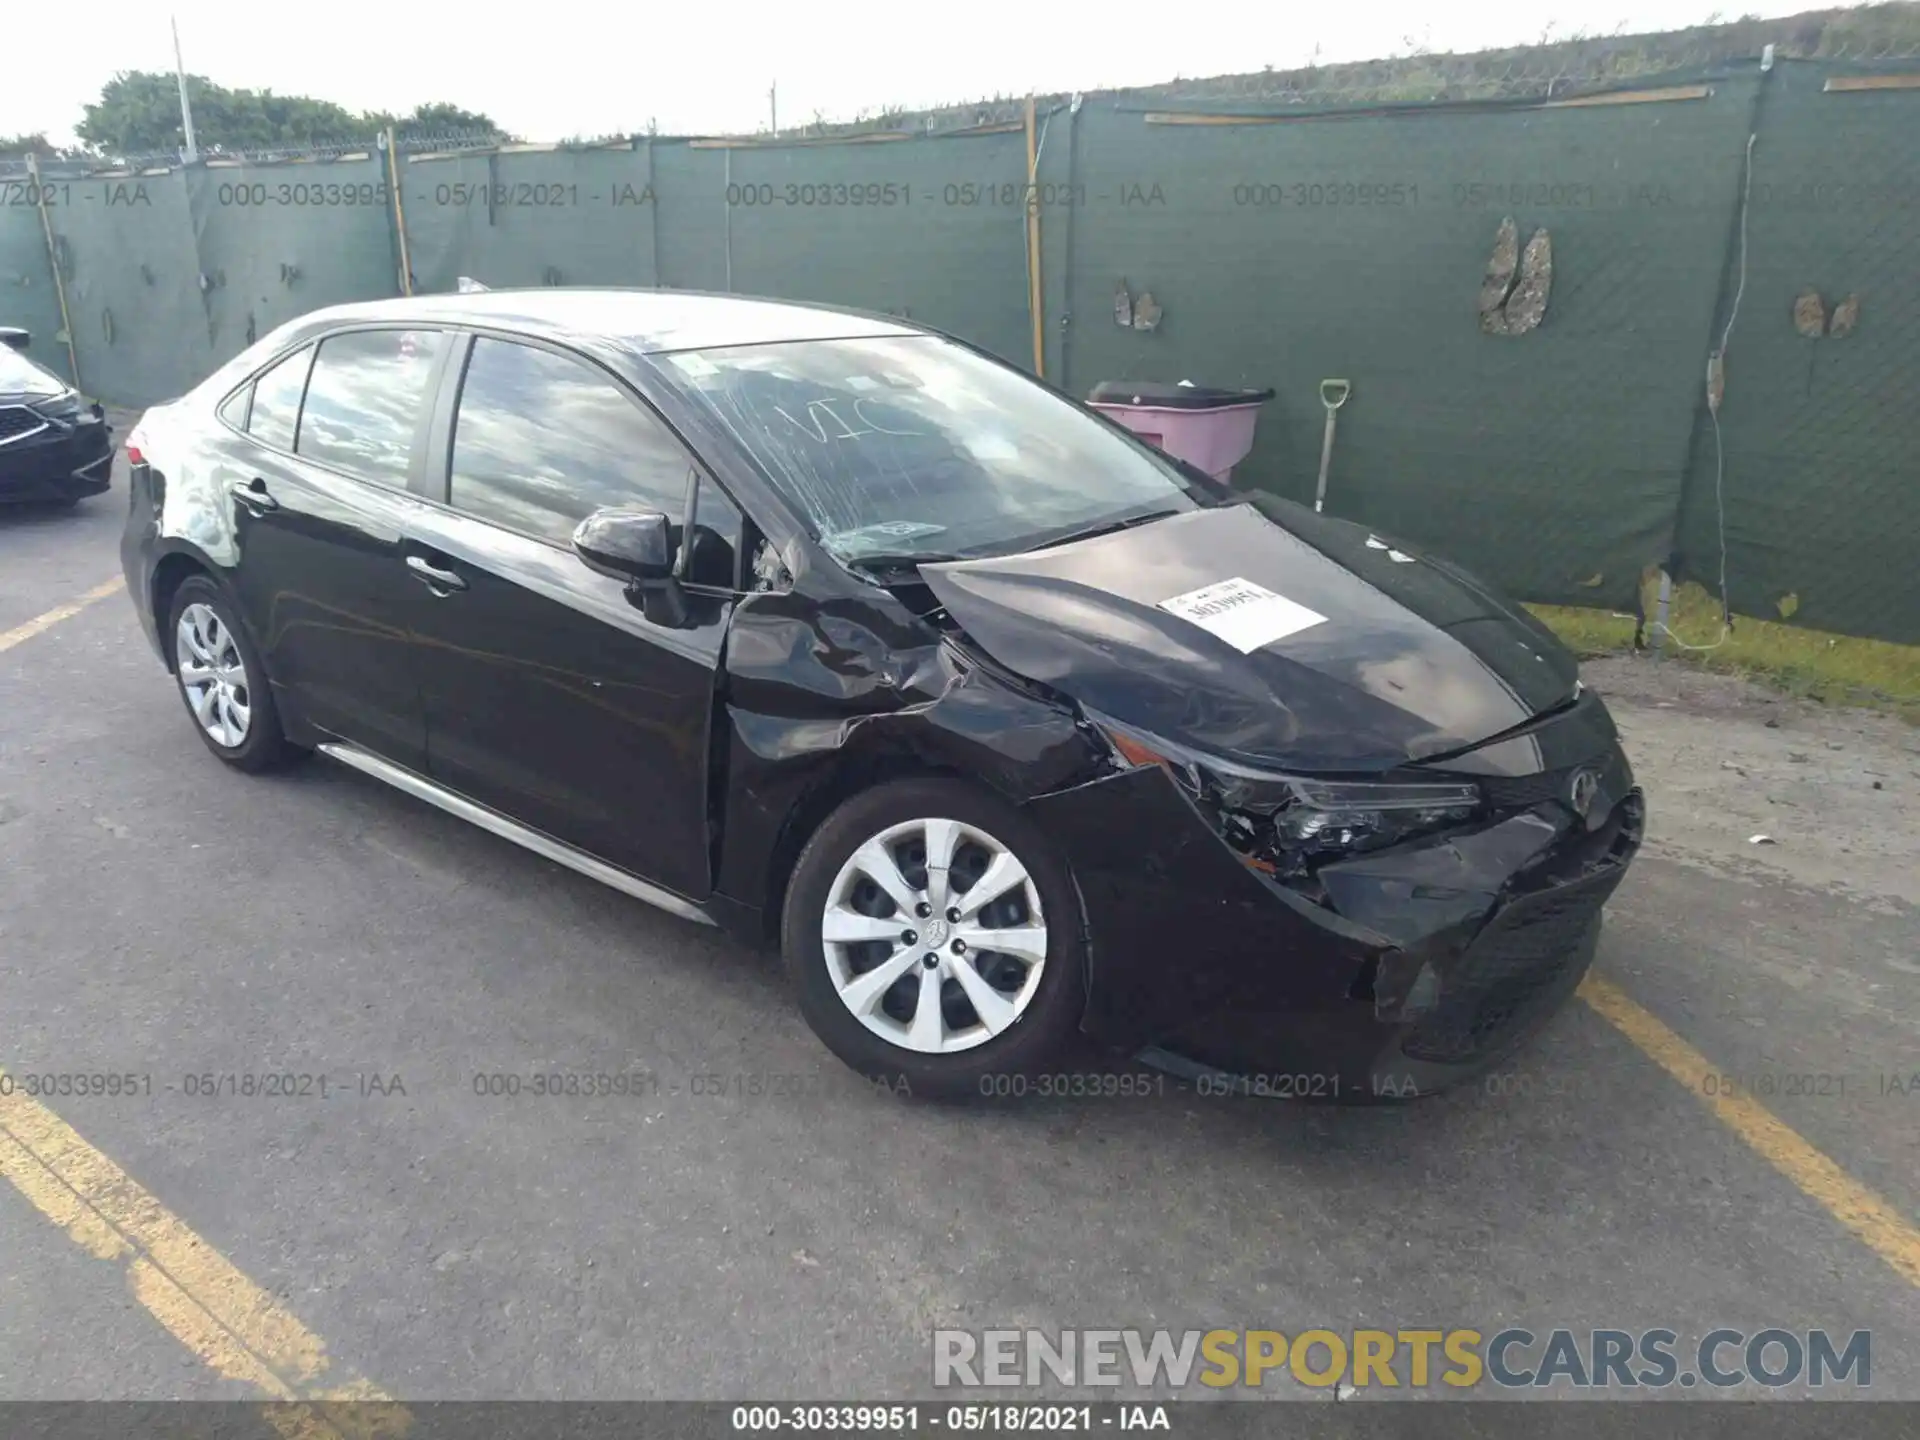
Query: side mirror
{"x":14,"y":338}
{"x":626,"y":543}
{"x":635,"y":546}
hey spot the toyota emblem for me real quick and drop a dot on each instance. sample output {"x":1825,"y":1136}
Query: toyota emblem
{"x":1581,"y":792}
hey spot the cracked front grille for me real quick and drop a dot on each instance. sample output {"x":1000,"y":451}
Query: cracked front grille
{"x":1515,"y":966}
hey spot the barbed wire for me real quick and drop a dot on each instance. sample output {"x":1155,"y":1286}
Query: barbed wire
{"x":1419,"y":79}
{"x":411,"y":142}
{"x":1439,"y":79}
{"x":1547,"y":72}
{"x":1557,"y":70}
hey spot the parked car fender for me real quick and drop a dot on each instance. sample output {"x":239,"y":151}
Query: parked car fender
{"x":936,"y":709}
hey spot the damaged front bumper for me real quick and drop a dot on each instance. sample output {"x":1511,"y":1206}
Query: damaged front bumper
{"x":1424,"y":964}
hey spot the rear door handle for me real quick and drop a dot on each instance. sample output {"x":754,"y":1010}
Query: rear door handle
{"x":433,"y":576}
{"x":254,"y":496}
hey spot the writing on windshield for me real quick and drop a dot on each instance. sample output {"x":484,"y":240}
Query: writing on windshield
{"x":909,"y":444}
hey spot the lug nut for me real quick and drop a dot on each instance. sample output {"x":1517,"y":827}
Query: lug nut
{"x":931,"y":962}
{"x":953,"y":915}
{"x":923,"y":910}
{"x":908,"y":937}
{"x":959,"y":947}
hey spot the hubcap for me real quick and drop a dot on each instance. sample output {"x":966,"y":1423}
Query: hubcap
{"x":934,"y":936}
{"x":213,"y":676}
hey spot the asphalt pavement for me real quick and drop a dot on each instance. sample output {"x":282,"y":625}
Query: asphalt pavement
{"x":752,"y":1221}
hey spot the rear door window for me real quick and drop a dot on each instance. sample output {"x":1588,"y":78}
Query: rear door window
{"x":544,"y":440}
{"x":365,"y":402}
{"x":276,"y":400}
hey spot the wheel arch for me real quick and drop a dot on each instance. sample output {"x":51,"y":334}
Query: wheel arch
{"x":170,"y":572}
{"x":846,"y":774}
{"x":854,"y":772}
{"x":782,"y":766}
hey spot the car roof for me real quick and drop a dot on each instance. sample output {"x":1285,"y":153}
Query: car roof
{"x":646,"y":321}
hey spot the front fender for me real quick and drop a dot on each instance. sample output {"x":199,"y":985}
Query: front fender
{"x":819,"y":700}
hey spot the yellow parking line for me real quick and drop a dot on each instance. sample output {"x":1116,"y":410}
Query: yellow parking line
{"x":234,"y":1326}
{"x":1875,"y":1220}
{"x":11,"y":638}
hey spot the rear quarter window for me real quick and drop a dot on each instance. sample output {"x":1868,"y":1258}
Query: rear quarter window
{"x":234,"y":412}
{"x":276,"y":400}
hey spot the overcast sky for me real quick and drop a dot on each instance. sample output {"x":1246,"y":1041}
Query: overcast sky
{"x":564,"y":67}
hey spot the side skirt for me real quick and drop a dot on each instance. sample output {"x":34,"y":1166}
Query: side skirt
{"x":544,"y":845}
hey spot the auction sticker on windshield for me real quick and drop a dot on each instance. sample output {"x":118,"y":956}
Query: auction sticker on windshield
{"x":1243,"y":614}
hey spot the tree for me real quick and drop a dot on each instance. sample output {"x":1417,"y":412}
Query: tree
{"x":33,"y":144}
{"x":441,"y":118}
{"x":138,"y":113}
{"x":437,"y":119}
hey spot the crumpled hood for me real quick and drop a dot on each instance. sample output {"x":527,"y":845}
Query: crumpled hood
{"x":1264,"y":633}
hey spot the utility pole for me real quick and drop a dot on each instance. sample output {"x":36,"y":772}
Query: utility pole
{"x":773,"y":109}
{"x":186,"y":110}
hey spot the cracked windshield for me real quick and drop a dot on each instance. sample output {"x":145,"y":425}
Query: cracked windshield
{"x":911,"y":447}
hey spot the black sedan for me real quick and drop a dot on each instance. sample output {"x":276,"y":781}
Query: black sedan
{"x":842,"y":635}
{"x":54,"y":444}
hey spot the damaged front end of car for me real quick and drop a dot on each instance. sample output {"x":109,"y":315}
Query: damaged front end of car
{"x":1286,"y":825}
{"x":1339,"y":938}
{"x":1361,"y":852}
{"x":1362,"y":863}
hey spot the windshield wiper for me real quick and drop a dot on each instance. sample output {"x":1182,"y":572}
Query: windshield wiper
{"x":895,"y":560}
{"x":1107,"y":529}
{"x":902,"y":560}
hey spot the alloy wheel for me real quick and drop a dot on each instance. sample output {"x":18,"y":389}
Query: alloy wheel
{"x":934,"y":936}
{"x":213,"y":676}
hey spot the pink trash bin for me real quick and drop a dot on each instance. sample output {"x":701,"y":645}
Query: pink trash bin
{"x":1208,"y":428}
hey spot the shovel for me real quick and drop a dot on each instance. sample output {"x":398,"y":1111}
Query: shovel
{"x":1333,"y":394}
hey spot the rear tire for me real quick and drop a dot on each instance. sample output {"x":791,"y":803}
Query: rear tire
{"x":936,"y":979}
{"x":221,"y":679}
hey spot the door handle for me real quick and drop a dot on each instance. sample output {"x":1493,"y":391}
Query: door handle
{"x":433,"y":576}
{"x":254,"y":496}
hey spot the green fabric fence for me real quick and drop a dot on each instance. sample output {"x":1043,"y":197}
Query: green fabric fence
{"x":1227,"y":246}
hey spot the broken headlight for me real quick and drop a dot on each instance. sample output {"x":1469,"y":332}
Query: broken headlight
{"x":1325,"y":815}
{"x":1288,"y":822}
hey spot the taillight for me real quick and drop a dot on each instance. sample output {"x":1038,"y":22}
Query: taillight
{"x":136,"y":448}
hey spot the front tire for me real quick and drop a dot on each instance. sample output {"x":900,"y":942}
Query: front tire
{"x":934,"y":939}
{"x":222,"y":680}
